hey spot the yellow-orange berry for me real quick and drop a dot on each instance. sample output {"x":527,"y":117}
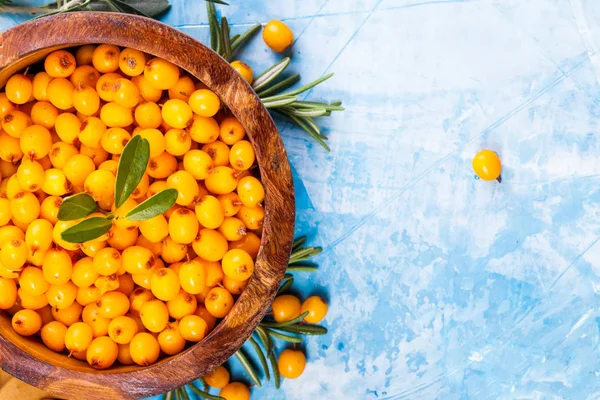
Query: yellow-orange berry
{"x":53,"y":336}
{"x":181,"y":305}
{"x":186,"y":186}
{"x":286,"y":308}
{"x":182,"y":89}
{"x":19,"y":89}
{"x":198,"y":163}
{"x":162,"y":167}
{"x":251,"y":191}
{"x":161,"y":73}
{"x":60,"y":152}
{"x":44,"y":113}
{"x":107,"y":261}
{"x":238,"y":265}
{"x":106,"y":58}
{"x":233,"y":286}
{"x":164,"y":284}
{"x":170,"y":340}
{"x":40,"y":86}
{"x":26,"y":322}
{"x":144,"y":349}
{"x":98,"y":154}
{"x":203,"y":129}
{"x":122,"y":329}
{"x":35,"y":142}
{"x":183,"y":226}
{"x":25,"y":207}
{"x":177,"y":113}
{"x":210,"y":245}
{"x":192,"y":276}
{"x":155,"y":229}
{"x":172,"y":251}
{"x":113,"y":304}
{"x":219,"y":378}
{"x":49,"y":208}
{"x":278,"y":36}
{"x":231,"y":131}
{"x":86,"y":100}
{"x":232,"y":228}
{"x":154,"y":315}
{"x":60,"y":93}
{"x":32,"y":281}
{"x":244,"y":70}
{"x":204,"y":103}
{"x":316,"y":308}
{"x":60,"y":64}
{"x":222,"y":180}
{"x":98,"y":323}
{"x":231,"y":203}
{"x":62,"y":296}
{"x":8,"y":293}
{"x":156,"y":140}
{"x":148,"y":115}
{"x":126,"y":93}
{"x":291,"y":363}
{"x":15,"y":122}
{"x":85,"y":75}
{"x":147,"y":90}
{"x":132,"y":62}
{"x":235,"y":391}
{"x":252,"y":217}
{"x":209,"y":212}
{"x":116,"y":116}
{"x":193,"y":328}
{"x":91,"y":131}
{"x":30,"y":175}
{"x":241,"y":155}
{"x":218,"y":302}
{"x":77,"y":168}
{"x":114,"y":140}
{"x":55,"y":182}
{"x":102,"y":353}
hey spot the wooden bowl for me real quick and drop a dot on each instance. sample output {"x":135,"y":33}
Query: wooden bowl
{"x":28,"y":359}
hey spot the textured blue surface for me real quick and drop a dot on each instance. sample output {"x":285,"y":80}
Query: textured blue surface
{"x":441,"y":285}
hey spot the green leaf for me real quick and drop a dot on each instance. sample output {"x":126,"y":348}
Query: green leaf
{"x":275,"y":368}
{"x":243,"y":358}
{"x":77,"y":206}
{"x":302,"y":268}
{"x":304,"y":329}
{"x":203,"y":394}
{"x":155,"y":205}
{"x":279,"y":102}
{"x":132,"y":165}
{"x":279,"y":87}
{"x":265,"y":339}
{"x":285,"y":338}
{"x":152,"y":8}
{"x":261,"y":357}
{"x":286,"y":323}
{"x":226,"y":39}
{"x":89,"y":229}
{"x":269,"y":75}
{"x":244,"y":37}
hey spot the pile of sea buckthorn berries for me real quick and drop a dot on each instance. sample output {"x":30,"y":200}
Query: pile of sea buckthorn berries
{"x":145,"y":288}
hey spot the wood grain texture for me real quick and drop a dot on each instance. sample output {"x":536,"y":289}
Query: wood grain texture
{"x":31,"y":361}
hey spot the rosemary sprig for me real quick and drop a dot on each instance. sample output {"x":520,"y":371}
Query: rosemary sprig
{"x":149,"y":8}
{"x":220,"y":35}
{"x":203,"y":394}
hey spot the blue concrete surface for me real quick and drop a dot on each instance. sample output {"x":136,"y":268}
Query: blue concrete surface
{"x":443,"y":286}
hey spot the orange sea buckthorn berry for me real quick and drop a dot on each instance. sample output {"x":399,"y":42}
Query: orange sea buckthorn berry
{"x":35,"y":142}
{"x":138,"y":298}
{"x":86,"y":100}
{"x":193,"y":328}
{"x":32,"y":302}
{"x":91,"y":131}
{"x":106,"y":86}
{"x":286,"y":308}
{"x":102,"y":353}
{"x":219,"y":378}
{"x":231,"y":203}
{"x":7,"y":169}
{"x":155,"y":229}
{"x":107,"y":262}
{"x":182,"y":89}
{"x":161,"y":73}
{"x":110,"y":165}
{"x":204,"y":103}
{"x":62,"y":296}
{"x":170,"y":340}
{"x":278,"y":36}
{"x":88,"y":295}
{"x":218,"y":152}
{"x":106,"y":58}
{"x":214,"y":272}
{"x":218,"y":302}
{"x":113,"y":304}
{"x":30,"y":175}
{"x":142,"y":188}
{"x":252,"y":217}
{"x":147,"y":90}
{"x":238,"y":265}
{"x":487,"y":165}
{"x":233,"y":286}
{"x":201,"y":311}
{"x":59,"y":228}
{"x":85,"y":75}
{"x":192,"y":277}
{"x":164,"y":284}
{"x":15,"y":122}
{"x":60,"y":64}
{"x":55,"y":182}
{"x":177,"y":142}
{"x":26,"y":322}
{"x":5,"y":213}
{"x":317,"y":309}
{"x":210,"y":245}
{"x":132,"y":62}
{"x":155,"y":248}
{"x":60,"y":152}
{"x":223,"y":180}
{"x":84,"y":274}
{"x":114,"y":140}
{"x":13,"y":254}
{"x":98,"y":323}
{"x":8,"y":293}
{"x":19,"y":89}
{"x":162,"y":167}
{"x":124,"y":355}
{"x":291,"y":363}
{"x":84,"y":54}
{"x":122,"y":329}
{"x":177,"y":113}
{"x":77,"y":168}
{"x":25,"y":207}
{"x":183,"y":226}
{"x":32,"y":281}
{"x":68,"y":315}
{"x":235,"y":391}
{"x":148,"y":115}
{"x":98,"y":154}
{"x":100,"y":185}
{"x":144,"y":349}
{"x":244,"y":70}
{"x":181,"y":305}
{"x":172,"y":251}
{"x":126,"y":285}
{"x":210,"y":212}
{"x":53,"y":336}
{"x":116,"y":116}
{"x":44,"y":113}
{"x":203,"y":129}
{"x":126,"y":93}
{"x":156,"y":140}
{"x":49,"y":208}
{"x":38,"y":236}
{"x":154,"y":315}
{"x":232,"y":228}
{"x":40,"y":86}
{"x":241,"y":155}
{"x":251,"y":191}
{"x":198,"y":163}
{"x":60,"y":93}
{"x":138,"y":259}
{"x":186,"y":185}
{"x":231,"y":131}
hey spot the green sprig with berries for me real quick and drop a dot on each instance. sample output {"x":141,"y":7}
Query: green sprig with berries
{"x":131,"y":168}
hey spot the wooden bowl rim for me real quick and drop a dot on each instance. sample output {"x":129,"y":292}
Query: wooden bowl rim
{"x":74,"y":29}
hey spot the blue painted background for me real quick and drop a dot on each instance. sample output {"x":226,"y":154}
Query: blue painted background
{"x":443,"y":286}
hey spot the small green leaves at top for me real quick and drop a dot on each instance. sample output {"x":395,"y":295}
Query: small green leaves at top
{"x":155,"y":205}
{"x":132,"y":165}
{"x":77,"y":206}
{"x":89,"y":229}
